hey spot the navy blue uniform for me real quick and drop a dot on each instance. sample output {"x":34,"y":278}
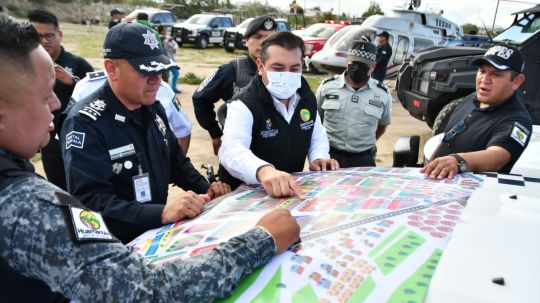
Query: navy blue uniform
{"x":507,"y":125}
{"x":50,"y":154}
{"x":384,"y":52}
{"x":104,"y":144}
{"x":222,"y":84}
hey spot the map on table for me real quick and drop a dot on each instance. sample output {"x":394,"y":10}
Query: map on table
{"x":368,"y":234}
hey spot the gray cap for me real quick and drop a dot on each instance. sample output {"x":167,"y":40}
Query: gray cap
{"x":362,"y":51}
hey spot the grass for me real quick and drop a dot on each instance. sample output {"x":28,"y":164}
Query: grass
{"x":191,"y":78}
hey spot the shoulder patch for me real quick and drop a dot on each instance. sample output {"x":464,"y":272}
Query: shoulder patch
{"x":94,"y":109}
{"x":89,"y":225}
{"x":75,"y":139}
{"x":334,"y":77}
{"x":519,"y":133}
{"x":382,"y":86}
{"x":96,"y":75}
{"x":206,"y":81}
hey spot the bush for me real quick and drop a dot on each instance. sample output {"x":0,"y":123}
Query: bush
{"x":191,"y":78}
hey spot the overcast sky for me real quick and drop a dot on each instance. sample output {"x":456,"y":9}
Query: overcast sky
{"x":459,"y":11}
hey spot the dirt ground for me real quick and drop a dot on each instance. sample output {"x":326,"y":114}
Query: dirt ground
{"x":200,"y":150}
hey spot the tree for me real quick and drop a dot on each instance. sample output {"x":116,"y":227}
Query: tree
{"x":470,"y":29}
{"x":373,"y":9}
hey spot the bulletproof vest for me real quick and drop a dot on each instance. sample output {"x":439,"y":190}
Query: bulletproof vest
{"x":16,"y":287}
{"x":244,"y":73}
{"x":284,"y":145}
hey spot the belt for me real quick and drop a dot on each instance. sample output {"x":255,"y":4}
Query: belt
{"x":346,"y":153}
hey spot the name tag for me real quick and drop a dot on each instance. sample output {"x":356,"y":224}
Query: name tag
{"x":141,"y":187}
{"x":122,"y":151}
{"x":375,"y":103}
{"x":331,"y":97}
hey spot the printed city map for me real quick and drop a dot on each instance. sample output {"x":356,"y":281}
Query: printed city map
{"x":368,"y":235}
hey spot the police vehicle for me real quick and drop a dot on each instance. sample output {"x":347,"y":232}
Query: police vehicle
{"x":409,"y":31}
{"x":202,"y":29}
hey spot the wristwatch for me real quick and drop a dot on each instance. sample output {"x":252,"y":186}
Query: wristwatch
{"x":462,"y":164}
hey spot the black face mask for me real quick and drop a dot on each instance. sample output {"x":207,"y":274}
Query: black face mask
{"x":358,"y":72}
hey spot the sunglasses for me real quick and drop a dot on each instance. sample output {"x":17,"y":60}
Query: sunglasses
{"x":47,"y":36}
{"x":456,"y":129}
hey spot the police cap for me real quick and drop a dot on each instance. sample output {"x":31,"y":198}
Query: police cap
{"x":265,"y":23}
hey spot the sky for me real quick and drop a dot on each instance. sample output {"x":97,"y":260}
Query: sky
{"x":459,"y":11}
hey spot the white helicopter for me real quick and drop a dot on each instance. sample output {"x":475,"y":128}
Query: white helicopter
{"x":409,"y":31}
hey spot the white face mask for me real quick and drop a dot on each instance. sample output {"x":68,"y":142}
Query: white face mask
{"x":283,"y":85}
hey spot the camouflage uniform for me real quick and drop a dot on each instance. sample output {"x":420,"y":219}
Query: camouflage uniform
{"x":37,"y":243}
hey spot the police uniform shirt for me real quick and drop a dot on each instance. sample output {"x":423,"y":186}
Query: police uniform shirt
{"x":384,"y":52}
{"x":507,"y":125}
{"x":39,"y":250}
{"x":350,"y":116}
{"x":217,"y":86}
{"x":76,"y":66}
{"x":104,"y":144}
{"x":235,"y":153}
{"x":178,"y":120}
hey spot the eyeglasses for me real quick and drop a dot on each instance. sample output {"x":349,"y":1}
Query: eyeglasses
{"x":456,"y":129}
{"x":47,"y":36}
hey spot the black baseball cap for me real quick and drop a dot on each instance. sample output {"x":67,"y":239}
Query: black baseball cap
{"x":384,"y":34}
{"x":266,"y":23}
{"x":362,"y":51}
{"x":502,"y":57}
{"x":116,"y":11}
{"x":139,"y":45}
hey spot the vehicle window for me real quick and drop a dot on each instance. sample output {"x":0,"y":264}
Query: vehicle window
{"x":337,"y":37}
{"x":245,"y":23}
{"x":199,"y":19}
{"x":345,"y":41}
{"x":320,"y":31}
{"x":215,"y":22}
{"x":401,"y":49}
{"x":226,"y":22}
{"x":521,"y":30}
{"x":157,"y":18}
{"x":282,"y":26}
{"x":421,"y":44}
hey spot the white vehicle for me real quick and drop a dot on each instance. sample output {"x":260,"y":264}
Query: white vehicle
{"x":409,"y":31}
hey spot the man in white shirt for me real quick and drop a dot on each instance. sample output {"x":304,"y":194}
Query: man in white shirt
{"x":273,"y":124}
{"x":178,"y":120}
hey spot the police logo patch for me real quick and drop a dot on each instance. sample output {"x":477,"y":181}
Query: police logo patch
{"x":117,"y":168}
{"x":305,"y":115}
{"x":150,"y":39}
{"x":75,"y":139}
{"x":519,"y":133}
{"x":268,"y":24}
{"x":161,"y":125}
{"x":88,"y":225}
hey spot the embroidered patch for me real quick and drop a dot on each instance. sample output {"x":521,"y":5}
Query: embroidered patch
{"x":96,"y":75}
{"x":519,"y":133}
{"x":375,"y":103}
{"x":94,"y":109}
{"x":120,"y":118}
{"x":150,"y":39}
{"x":117,"y":168}
{"x":206,"y":81}
{"x":268,"y":24}
{"x":305,"y":115}
{"x":176,"y":103}
{"x":88,"y":225}
{"x":75,"y":139}
{"x":161,"y":125}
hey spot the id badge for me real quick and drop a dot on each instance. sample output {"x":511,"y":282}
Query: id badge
{"x":141,"y":186}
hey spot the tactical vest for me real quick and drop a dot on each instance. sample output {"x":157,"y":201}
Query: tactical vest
{"x":243,"y":73}
{"x":16,"y":287}
{"x":284,"y":145}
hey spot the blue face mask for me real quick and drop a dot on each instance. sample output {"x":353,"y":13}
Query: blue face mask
{"x":282,"y":85}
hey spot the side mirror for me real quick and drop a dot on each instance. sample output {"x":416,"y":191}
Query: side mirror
{"x":406,"y":152}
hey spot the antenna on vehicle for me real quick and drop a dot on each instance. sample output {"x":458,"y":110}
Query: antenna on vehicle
{"x":487,"y":32}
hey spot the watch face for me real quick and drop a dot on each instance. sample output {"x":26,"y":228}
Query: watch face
{"x":462,"y":166}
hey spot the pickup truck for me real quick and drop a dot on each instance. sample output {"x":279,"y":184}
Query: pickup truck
{"x":432,"y":81}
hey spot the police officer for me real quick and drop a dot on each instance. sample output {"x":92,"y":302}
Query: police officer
{"x":491,"y":127}
{"x":384,"y":52}
{"x":272,"y":125}
{"x":116,"y":17}
{"x":69,"y":69}
{"x":53,"y":249}
{"x":229,"y":78}
{"x":178,"y":120}
{"x":119,"y":152}
{"x":355,"y":109}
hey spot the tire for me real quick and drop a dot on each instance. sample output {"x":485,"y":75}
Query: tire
{"x":444,"y":115}
{"x":202,"y":42}
{"x":217,"y":44}
{"x":229,"y":49}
